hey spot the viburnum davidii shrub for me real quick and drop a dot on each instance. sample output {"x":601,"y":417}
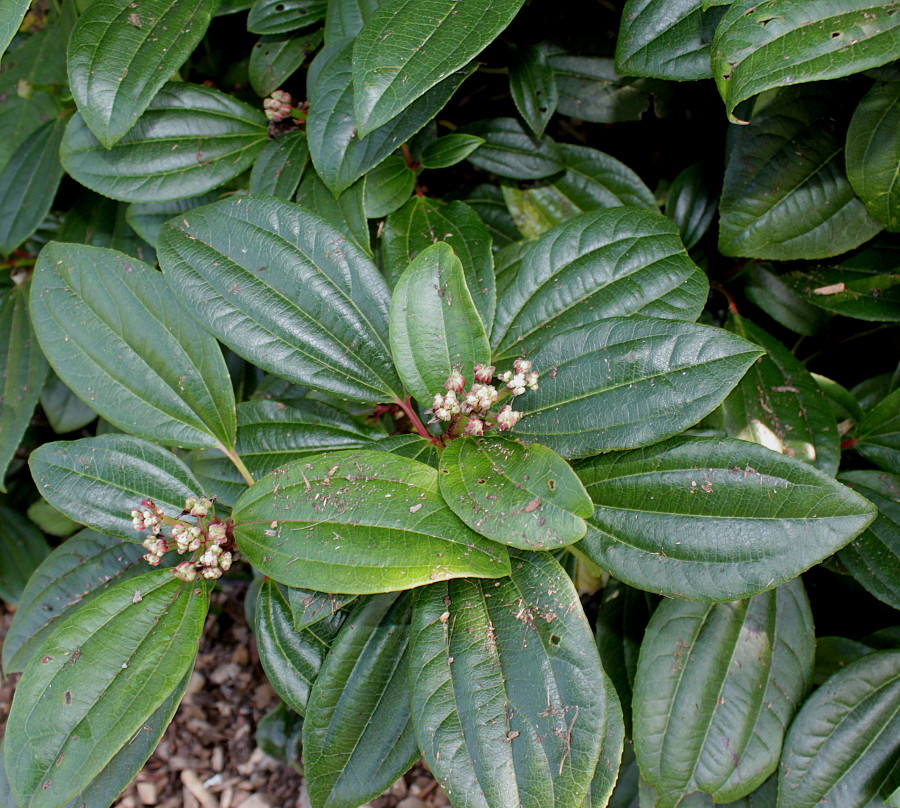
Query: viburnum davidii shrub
{"x":368,"y":318}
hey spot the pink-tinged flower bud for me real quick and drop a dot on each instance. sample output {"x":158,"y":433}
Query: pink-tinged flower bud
{"x":484,"y":373}
{"x":185,"y":571}
{"x":456,"y":382}
{"x":451,"y":404}
{"x":505,"y":376}
{"x":521,"y":366}
{"x":475,"y":427}
{"x":216,"y":532}
{"x":517,"y":384}
{"x":152,"y":559}
{"x":507,"y":418}
{"x":148,"y":503}
{"x":211,"y":573}
{"x":201,"y":507}
{"x":225,"y":561}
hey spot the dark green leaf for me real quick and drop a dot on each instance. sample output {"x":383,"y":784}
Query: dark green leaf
{"x":64,"y":410}
{"x":76,"y":571}
{"x":449,"y":150}
{"x":50,"y":520}
{"x":841,"y":747}
{"x":590,"y":89}
{"x":120,"y":56}
{"x":714,"y":519}
{"x":870,"y":392}
{"x":279,"y":734}
{"x":388,"y":186}
{"x":147,"y":218}
{"x":309,"y":606}
{"x":526,"y":497}
{"x":274,"y":59}
{"x":24,"y":370}
{"x":487,"y":201}
{"x":346,"y":212}
{"x":758,"y":46}
{"x":834,"y":653}
{"x":509,"y":151}
{"x":606,"y":263}
{"x":649,"y":378}
{"x":28,"y":184}
{"x":422,"y":222}
{"x":411,"y":446}
{"x":878,"y":434}
{"x":435,"y":327}
{"x":346,"y":18}
{"x":100,"y":675}
{"x":533,"y":86}
{"x":280,"y":166}
{"x":785,"y":192}
{"x":111,"y":331}
{"x":287,"y":292}
{"x":720,"y":677}
{"x":190,"y":140}
{"x":666,"y":39}
{"x":102,"y":222}
{"x":22,"y":549}
{"x":291,"y":658}
{"x":357,"y":522}
{"x":777,"y":299}
{"x":607,"y":771}
{"x":340,"y":152}
{"x":873,"y":558}
{"x":691,"y":205}
{"x":409,"y":46}
{"x":508,"y":262}
{"x":873,"y":153}
{"x":99,"y":481}
{"x":779,"y":405}
{"x":358,"y":732}
{"x":841,"y":400}
{"x":11,"y":14}
{"x":510,"y":702}
{"x":280,"y":16}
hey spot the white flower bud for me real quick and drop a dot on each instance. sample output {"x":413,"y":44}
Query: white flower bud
{"x":521,"y":366}
{"x":456,"y":382}
{"x":505,"y":376}
{"x":211,"y":573}
{"x":225,"y":562}
{"x":152,"y":559}
{"x":507,"y":418}
{"x":484,"y":373}
{"x":475,"y":427}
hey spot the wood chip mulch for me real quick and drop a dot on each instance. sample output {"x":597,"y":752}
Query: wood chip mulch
{"x":208,"y":757}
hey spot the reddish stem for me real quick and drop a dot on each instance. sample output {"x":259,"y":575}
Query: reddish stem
{"x":732,"y":306}
{"x":848,"y":444}
{"x":407,"y":407}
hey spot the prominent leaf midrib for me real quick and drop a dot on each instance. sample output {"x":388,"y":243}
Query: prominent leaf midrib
{"x":242,"y":273}
{"x":675,"y":514}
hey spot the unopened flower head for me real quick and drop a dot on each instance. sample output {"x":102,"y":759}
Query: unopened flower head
{"x":185,"y":571}
{"x":521,"y":366}
{"x":456,"y":382}
{"x":507,"y":418}
{"x":278,"y":105}
{"x":445,"y":407}
{"x":484,"y":373}
{"x":217,"y":533}
{"x":197,"y":506}
{"x":475,"y":427}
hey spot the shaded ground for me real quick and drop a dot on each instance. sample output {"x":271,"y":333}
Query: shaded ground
{"x":208,"y":757}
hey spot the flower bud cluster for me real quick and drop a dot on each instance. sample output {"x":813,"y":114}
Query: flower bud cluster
{"x":205,"y":540}
{"x":278,"y":105}
{"x":476,"y":403}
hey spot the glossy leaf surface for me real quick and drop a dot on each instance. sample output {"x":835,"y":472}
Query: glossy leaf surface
{"x":510,"y":702}
{"x":357,"y":522}
{"x":309,"y":606}
{"x":591,"y":89}
{"x":141,"y":363}
{"x":388,"y":186}
{"x":408,"y":46}
{"x":449,"y":150}
{"x":280,"y":16}
{"x":628,"y":381}
{"x":346,"y":212}
{"x":878,"y":434}
{"x":274,"y":59}
{"x":714,"y":519}
{"x":435,"y":327}
{"x":286,"y":291}
{"x":99,"y":481}
{"x":533,"y":86}
{"x":280,"y":166}
{"x":160,"y":159}
{"x":22,"y":549}
{"x":526,"y":497}
{"x":11,"y":14}
{"x":64,"y":410}
{"x":510,"y":151}
{"x":120,"y":56}
{"x":607,"y":263}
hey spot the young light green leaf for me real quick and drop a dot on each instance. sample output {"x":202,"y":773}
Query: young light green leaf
{"x":358,"y":735}
{"x":83,"y":566}
{"x":24,"y":372}
{"x":533,"y":86}
{"x":714,"y":519}
{"x":286,"y":291}
{"x":422,"y":222}
{"x":64,"y":410}
{"x":525,"y":497}
{"x":280,"y":16}
{"x":388,"y":186}
{"x":340,"y":152}
{"x":841,"y":747}
{"x":435,"y":327}
{"x":346,"y":18}
{"x":280,"y":166}
{"x":873,"y":558}
{"x":714,"y":677}
{"x":28,"y":183}
{"x":147,"y":218}
{"x":873,"y":153}
{"x":509,"y":151}
{"x":510,"y":702}
{"x":878,"y":434}
{"x":12,"y":12}
{"x":159,"y":159}
{"x":691,"y":204}
{"x":604,"y":386}
{"x":274,"y":59}
{"x":120,"y":55}
{"x":759,"y":46}
{"x":346,"y":212}
{"x":590,"y":268}
{"x":409,"y":46}
{"x":779,"y":405}
{"x":785,"y":192}
{"x":666,"y":39}
{"x":112,"y":332}
{"x":99,"y":481}
{"x":358,"y":522}
{"x":591,"y":89}
{"x":100,"y":675}
{"x":22,"y":549}
{"x":291,"y":658}
{"x":309,"y":606}
{"x":449,"y":150}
